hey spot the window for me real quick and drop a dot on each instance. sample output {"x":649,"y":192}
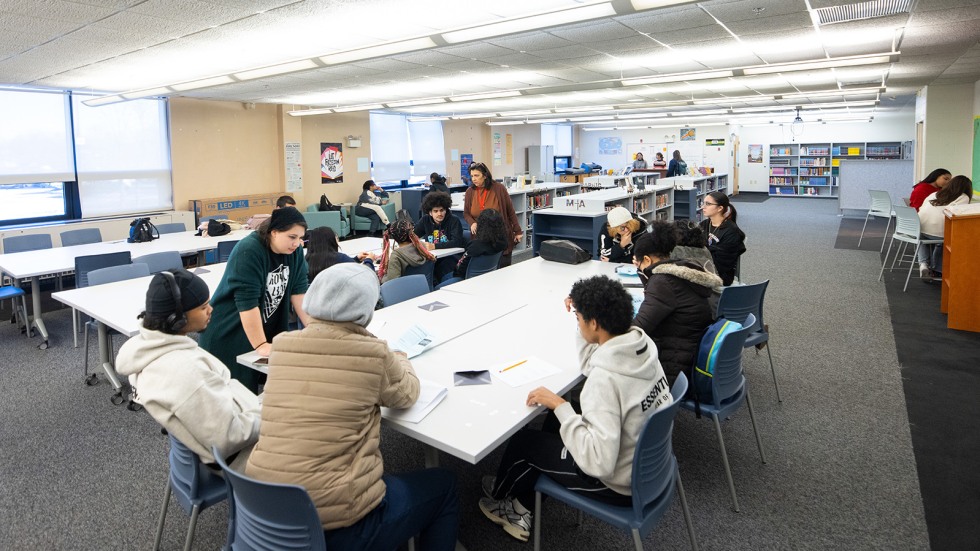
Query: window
{"x":427,"y":148}
{"x":389,"y":148}
{"x":123,"y":157}
{"x":35,"y":156}
{"x":559,"y":136}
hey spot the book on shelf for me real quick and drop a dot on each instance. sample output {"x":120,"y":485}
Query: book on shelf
{"x":430,"y":395}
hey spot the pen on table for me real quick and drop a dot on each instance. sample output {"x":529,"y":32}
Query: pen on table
{"x":513,"y":366}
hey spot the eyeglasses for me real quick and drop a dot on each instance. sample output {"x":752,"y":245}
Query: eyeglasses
{"x":707,"y":204}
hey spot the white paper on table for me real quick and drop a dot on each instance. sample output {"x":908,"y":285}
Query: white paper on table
{"x":531,"y":370}
{"x":414,"y":341}
{"x":430,"y":394}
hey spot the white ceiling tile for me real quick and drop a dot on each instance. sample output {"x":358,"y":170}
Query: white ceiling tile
{"x":674,"y":37}
{"x":677,"y":19}
{"x":594,"y":31}
{"x":782,"y":24}
{"x":744,"y":10}
{"x":478,"y":50}
{"x":527,"y":42}
{"x":570,"y":52}
{"x":73,"y":12}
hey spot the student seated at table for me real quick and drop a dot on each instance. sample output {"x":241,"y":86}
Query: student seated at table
{"x":691,"y":245}
{"x":321,"y":424}
{"x":323,"y":251}
{"x":593,"y":450}
{"x":617,"y":234}
{"x":410,"y":251}
{"x":935,"y":181}
{"x":676,"y":306}
{"x":185,"y":389}
{"x":959,"y":191}
{"x":285,"y":201}
{"x":724,"y":239}
{"x":491,"y":237}
{"x":437,"y":182}
{"x":369,"y":205}
{"x":440,"y":229}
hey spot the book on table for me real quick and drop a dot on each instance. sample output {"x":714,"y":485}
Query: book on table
{"x":430,"y":395}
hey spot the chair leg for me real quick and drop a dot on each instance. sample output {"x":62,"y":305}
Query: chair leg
{"x":885,"y":237}
{"x":537,"y":521}
{"x":86,"y":349}
{"x":687,"y":513}
{"x":865,"y":227}
{"x":196,"y":510}
{"x":773,"y":369}
{"x":885,"y":261}
{"x":724,"y":461}
{"x":915,"y":255}
{"x":758,"y":439}
{"x":637,"y":540}
{"x":163,"y":516}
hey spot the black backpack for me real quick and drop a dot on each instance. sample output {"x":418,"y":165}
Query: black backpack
{"x":564,"y":251}
{"x":141,"y":230}
{"x":325,"y":204}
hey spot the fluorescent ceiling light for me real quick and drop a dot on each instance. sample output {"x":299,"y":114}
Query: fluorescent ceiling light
{"x":380,"y":50}
{"x":203,"y":83}
{"x":281,"y":69}
{"x":531,"y":23}
{"x":423,"y":119}
{"x":679,"y":77}
{"x":699,"y":113}
{"x":308,"y":112}
{"x":833,"y":93}
{"x":352,"y":108}
{"x":488,"y":95}
{"x":104,"y":100}
{"x":413,"y":102}
{"x":160,"y":91}
{"x":504,"y":123}
{"x":544,"y":121}
{"x":584,"y":109}
{"x":831,"y":63}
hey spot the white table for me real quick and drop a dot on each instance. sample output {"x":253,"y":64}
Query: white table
{"x":116,"y":305}
{"x":34,"y":264}
{"x":352,"y":247}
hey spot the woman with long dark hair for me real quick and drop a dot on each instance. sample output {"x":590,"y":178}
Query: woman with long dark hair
{"x":266,"y":276}
{"x":724,"y":239}
{"x":490,"y":238}
{"x":677,"y":166}
{"x":487,"y":194}
{"x":958,"y":191}
{"x":323,"y":251}
{"x":935,"y":181}
{"x":410,"y":252}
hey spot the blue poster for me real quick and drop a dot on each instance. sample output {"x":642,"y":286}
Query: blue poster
{"x":465,"y":160}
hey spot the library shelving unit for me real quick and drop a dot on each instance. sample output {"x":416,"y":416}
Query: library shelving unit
{"x":579,"y":217}
{"x":526,"y":200}
{"x":689,"y":191}
{"x":813,"y":169}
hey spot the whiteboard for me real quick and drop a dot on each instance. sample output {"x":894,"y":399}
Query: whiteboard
{"x":857,"y":177}
{"x":649,"y":151}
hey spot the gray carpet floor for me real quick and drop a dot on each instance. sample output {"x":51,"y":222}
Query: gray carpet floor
{"x":79,"y":473}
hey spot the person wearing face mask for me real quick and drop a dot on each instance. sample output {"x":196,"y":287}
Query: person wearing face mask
{"x":676,"y":306}
{"x":617,"y":235}
{"x":265,"y":277}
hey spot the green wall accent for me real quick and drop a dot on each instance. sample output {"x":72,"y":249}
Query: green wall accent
{"x":976,"y":155}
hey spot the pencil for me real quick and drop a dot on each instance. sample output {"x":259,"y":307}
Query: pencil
{"x":513,"y":366}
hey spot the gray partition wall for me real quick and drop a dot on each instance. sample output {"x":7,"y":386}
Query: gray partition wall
{"x":857,"y":177}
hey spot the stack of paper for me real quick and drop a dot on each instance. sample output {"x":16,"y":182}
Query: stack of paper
{"x":521,"y":372}
{"x":430,"y":394}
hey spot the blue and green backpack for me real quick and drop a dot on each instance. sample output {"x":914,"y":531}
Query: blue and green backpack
{"x":703,"y":370}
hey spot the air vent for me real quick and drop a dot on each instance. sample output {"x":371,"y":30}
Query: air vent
{"x":862,"y":10}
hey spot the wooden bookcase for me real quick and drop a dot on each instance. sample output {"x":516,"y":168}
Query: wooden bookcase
{"x":961,"y":272}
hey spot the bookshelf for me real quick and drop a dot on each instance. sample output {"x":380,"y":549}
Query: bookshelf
{"x":689,"y":191}
{"x":813,"y":169}
{"x":580,"y":217}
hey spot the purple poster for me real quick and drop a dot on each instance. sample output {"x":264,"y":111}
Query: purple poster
{"x":465,"y":160}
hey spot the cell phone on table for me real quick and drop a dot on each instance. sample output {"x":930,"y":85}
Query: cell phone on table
{"x":262,"y":361}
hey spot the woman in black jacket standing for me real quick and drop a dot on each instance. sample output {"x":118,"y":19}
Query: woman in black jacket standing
{"x":724,"y":239}
{"x":675,"y":309}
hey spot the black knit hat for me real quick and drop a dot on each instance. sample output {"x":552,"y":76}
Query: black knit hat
{"x":285,"y":218}
{"x":160,"y":298}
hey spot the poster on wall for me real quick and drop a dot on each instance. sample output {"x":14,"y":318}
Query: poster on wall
{"x":465,"y":160}
{"x":294,"y":167}
{"x":610,"y":146}
{"x":331,"y":163}
{"x":509,"y":148}
{"x":688,"y":134}
{"x":755,"y":153}
{"x":497,"y":149}
{"x":714,"y":142}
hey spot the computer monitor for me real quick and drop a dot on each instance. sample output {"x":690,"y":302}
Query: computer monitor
{"x":562,"y":163}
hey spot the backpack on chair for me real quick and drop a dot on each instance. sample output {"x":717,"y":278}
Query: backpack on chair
{"x":326,"y":205}
{"x":703,"y":371}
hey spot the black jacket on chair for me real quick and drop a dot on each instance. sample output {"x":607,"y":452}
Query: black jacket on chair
{"x":676,"y":311}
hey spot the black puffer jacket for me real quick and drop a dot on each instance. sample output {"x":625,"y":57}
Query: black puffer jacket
{"x":676,"y":311}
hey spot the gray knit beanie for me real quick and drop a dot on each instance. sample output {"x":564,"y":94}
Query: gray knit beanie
{"x":343,"y":292}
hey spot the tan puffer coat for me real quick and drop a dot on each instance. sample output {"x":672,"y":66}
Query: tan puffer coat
{"x":321,"y":416}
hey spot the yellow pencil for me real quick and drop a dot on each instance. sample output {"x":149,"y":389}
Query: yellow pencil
{"x":513,"y":366}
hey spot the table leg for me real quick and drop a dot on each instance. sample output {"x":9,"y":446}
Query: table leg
{"x":431,"y":457}
{"x":202,"y":257}
{"x":36,"y":311}
{"x":105,"y":360}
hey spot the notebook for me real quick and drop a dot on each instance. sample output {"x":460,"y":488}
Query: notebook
{"x":430,"y":394}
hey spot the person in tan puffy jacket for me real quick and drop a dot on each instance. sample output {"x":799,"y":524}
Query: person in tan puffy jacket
{"x":321,"y":418}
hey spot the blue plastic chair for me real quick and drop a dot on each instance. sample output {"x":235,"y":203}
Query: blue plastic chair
{"x":171,"y":228}
{"x":84,"y":265}
{"x":12,"y":293}
{"x":81,"y":237}
{"x":427,"y":269}
{"x":193,"y":486}
{"x":224,"y":250}
{"x":728,"y":391}
{"x":25,"y":243}
{"x":160,"y":262}
{"x":403,"y":288}
{"x":476,"y":266}
{"x":736,"y":303}
{"x":270,"y":516}
{"x":655,"y":478}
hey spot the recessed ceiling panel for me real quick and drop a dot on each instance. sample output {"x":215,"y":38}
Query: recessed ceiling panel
{"x":594,"y":31}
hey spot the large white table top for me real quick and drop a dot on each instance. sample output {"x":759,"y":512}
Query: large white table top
{"x":62,"y":259}
{"x":352,"y":247}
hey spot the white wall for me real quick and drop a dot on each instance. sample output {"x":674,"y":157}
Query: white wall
{"x":948,"y":129}
{"x":587,"y":146}
{"x":755,"y":177}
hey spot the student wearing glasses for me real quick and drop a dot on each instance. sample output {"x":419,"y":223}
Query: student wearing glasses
{"x":724,"y":239}
{"x":487,"y":194}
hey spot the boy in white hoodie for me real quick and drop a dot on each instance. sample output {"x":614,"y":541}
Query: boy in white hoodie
{"x":186,"y":389}
{"x":593,"y":452}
